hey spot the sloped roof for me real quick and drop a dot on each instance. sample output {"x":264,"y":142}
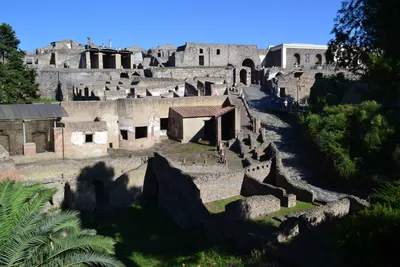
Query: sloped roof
{"x":201,"y":111}
{"x":31,"y":111}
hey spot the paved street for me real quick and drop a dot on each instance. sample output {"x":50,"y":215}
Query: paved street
{"x":288,"y":142}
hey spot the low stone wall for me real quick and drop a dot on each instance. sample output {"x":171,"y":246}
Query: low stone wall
{"x":259,"y":171}
{"x":219,"y":186}
{"x":337,"y":209}
{"x":252,"y":207}
{"x":7,"y":170}
{"x":119,"y":181}
{"x":252,"y":187}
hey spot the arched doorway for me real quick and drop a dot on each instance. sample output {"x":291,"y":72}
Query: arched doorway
{"x":249,"y":63}
{"x":296,"y":60}
{"x":318,"y":60}
{"x":243,"y":76}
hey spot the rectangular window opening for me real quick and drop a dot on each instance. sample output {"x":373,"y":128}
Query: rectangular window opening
{"x":140,"y":132}
{"x":164,"y":124}
{"x":89,"y":138}
{"x":201,"y":60}
{"x":124,"y":134}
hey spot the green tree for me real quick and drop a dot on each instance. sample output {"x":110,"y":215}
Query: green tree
{"x":31,"y":237}
{"x":367,"y":239}
{"x":366,"y":31}
{"x":17,"y":81}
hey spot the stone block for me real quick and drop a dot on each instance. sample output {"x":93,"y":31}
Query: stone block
{"x":29,"y":149}
{"x":253,"y":207}
{"x":4,"y":155}
{"x":289,"y":201}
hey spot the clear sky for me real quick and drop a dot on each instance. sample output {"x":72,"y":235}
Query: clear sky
{"x":152,"y":23}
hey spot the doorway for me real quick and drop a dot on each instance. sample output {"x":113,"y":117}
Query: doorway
{"x":40,"y":139}
{"x":243,"y":76}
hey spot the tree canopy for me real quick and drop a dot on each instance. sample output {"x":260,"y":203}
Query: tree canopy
{"x":29,"y":236}
{"x":17,"y":81}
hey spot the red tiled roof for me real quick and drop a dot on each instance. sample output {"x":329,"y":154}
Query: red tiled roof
{"x":201,"y":111}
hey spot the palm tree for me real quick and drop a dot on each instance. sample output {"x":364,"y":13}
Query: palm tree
{"x":29,"y":236}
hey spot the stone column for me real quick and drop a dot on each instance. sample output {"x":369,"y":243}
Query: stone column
{"x":56,"y":59}
{"x":132,"y":61}
{"x":87,"y":58}
{"x":100,"y":57}
{"x":237,"y":120}
{"x":117,"y":61}
{"x":218,"y":130}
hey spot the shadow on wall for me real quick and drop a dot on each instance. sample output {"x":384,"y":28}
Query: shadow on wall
{"x":96,"y":188}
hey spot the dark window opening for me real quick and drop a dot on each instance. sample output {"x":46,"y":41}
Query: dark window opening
{"x":319,"y":60}
{"x":296,"y":59}
{"x":89,"y":138}
{"x":201,"y":60}
{"x":53,"y":59}
{"x":141,"y":132}
{"x":110,"y":145}
{"x":159,"y":54}
{"x":164,"y":123}
{"x":218,"y":52}
{"x":124,"y":134}
{"x":124,"y":75}
{"x":201,"y":51}
{"x":282,"y":92}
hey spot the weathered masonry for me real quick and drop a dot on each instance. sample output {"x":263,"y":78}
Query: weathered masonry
{"x":296,"y":55}
{"x":28,"y":128}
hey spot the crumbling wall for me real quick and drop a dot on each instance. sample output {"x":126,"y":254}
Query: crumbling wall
{"x":312,"y":218}
{"x":122,"y":181}
{"x":188,"y":73}
{"x":252,"y":207}
{"x":178,"y":196}
{"x":219,"y":186}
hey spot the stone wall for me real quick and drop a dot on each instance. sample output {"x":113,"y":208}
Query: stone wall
{"x":72,"y":141}
{"x":215,"y":54}
{"x":36,"y":131}
{"x":178,"y":196}
{"x":337,"y":209}
{"x":65,"y":79}
{"x":88,"y":111}
{"x":219,"y":186}
{"x":191,"y":72}
{"x":121,"y":179}
{"x":253,"y":187}
{"x":289,"y":82}
{"x":252,"y":207}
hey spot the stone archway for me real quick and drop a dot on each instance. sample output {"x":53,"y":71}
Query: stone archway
{"x":243,"y":76}
{"x":250,"y":63}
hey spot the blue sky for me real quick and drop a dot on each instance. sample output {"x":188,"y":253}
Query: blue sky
{"x":151,"y":23}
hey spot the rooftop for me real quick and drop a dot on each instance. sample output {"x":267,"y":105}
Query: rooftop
{"x":202,"y":111}
{"x":31,"y":111}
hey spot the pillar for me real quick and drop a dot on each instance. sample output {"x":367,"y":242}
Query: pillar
{"x":238,"y":122}
{"x":24,"y":131}
{"x":118,"y":61}
{"x":218,"y":130}
{"x":132,"y":61}
{"x":56,"y":59}
{"x":87,"y":57}
{"x":100,"y":55}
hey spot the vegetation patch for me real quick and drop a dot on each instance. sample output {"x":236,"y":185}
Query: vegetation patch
{"x":273,"y":218}
{"x":145,"y":237}
{"x":219,"y":205}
